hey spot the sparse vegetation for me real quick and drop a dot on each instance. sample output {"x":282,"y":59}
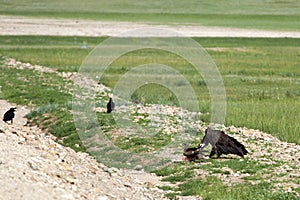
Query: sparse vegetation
{"x":207,"y":184}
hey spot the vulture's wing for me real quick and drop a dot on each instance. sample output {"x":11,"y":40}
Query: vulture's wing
{"x":229,"y":145}
{"x":239,"y":145}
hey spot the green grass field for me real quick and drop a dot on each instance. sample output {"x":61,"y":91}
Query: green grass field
{"x":261,"y":76}
{"x":271,"y":14}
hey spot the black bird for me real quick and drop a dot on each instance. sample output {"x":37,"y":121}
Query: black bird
{"x":9,"y":115}
{"x":191,"y":153}
{"x":222,"y":143}
{"x":110,"y":105}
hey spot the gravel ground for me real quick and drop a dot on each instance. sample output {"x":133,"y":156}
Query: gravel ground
{"x":33,"y":166}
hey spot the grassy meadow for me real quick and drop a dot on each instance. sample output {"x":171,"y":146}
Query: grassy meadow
{"x":262,"y":14}
{"x":261,"y":76}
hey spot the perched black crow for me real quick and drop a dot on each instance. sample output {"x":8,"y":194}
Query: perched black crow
{"x":222,"y":143}
{"x":191,"y":153}
{"x":9,"y":115}
{"x":110,"y":105}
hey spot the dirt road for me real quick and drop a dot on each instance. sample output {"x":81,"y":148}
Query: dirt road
{"x":11,"y":25}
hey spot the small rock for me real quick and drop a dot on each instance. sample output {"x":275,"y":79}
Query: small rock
{"x":236,"y":174}
{"x":102,"y":198}
{"x":67,"y":197}
{"x":189,"y":198}
{"x":128,"y":185}
{"x":138,"y":167}
{"x":71,"y":180}
{"x":96,"y":190}
{"x":74,"y":187}
{"x":32,"y":165}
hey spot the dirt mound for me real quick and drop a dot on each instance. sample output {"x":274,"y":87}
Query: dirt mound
{"x":34,"y":166}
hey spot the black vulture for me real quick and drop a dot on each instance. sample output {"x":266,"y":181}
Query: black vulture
{"x":222,"y":143}
{"x":9,"y":115}
{"x":191,"y":153}
{"x":110,"y":105}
